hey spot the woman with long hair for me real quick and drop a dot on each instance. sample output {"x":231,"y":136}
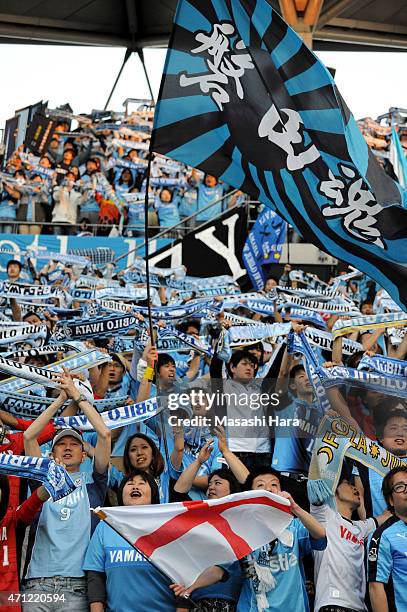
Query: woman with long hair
{"x":142,"y":453}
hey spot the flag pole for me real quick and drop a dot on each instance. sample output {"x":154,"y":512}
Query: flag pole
{"x":146,"y":249}
{"x":288,"y":243}
{"x":150,"y":319}
{"x":99,"y":512}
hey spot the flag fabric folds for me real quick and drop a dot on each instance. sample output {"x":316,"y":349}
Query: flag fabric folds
{"x":183,"y":539}
{"x":244,"y":99}
{"x":264,"y":245}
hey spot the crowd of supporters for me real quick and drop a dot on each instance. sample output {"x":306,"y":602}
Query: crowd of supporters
{"x":92,"y":180}
{"x":210,"y":341}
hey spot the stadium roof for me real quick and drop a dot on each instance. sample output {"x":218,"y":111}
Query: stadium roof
{"x":342,"y":24}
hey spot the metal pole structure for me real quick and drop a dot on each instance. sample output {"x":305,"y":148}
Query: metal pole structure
{"x":141,"y":56}
{"x":126,"y":57}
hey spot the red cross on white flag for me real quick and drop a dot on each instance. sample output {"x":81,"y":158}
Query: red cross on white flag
{"x":183,"y":539}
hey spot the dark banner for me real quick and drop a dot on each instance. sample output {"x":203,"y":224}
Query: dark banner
{"x":213,"y":249}
{"x":39,"y":134}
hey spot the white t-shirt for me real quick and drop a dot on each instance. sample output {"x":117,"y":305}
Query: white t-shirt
{"x":339,"y":569}
{"x":247,"y":426}
{"x":66,"y":205}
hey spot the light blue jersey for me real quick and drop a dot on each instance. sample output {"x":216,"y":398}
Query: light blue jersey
{"x":189,"y":202}
{"x":182,"y":361}
{"x":195,"y":438}
{"x":293,"y":449}
{"x":207,"y":195}
{"x":123,"y":388}
{"x":168,"y":212}
{"x":387,"y":559}
{"x":285,"y":565}
{"x":8,"y":207}
{"x":64,"y":528}
{"x":132,"y":583}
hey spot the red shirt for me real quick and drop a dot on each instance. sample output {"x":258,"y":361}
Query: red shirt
{"x":15,"y":446}
{"x":8,"y":554}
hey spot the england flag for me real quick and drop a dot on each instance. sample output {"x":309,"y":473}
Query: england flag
{"x":184,"y":539}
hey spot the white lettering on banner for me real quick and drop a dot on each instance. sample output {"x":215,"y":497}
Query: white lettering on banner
{"x":253,"y":266}
{"x":6,"y":244}
{"x":227,"y":252}
{"x":175,"y":252}
{"x":227,"y":63}
{"x":358,"y":208}
{"x":288,"y":136}
{"x":131,"y":251}
{"x":63,"y":244}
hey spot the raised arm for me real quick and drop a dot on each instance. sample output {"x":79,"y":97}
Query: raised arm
{"x":144,"y":390}
{"x":284,"y":373}
{"x":31,"y":446}
{"x":340,"y":406}
{"x":236,"y":466}
{"x":103,"y":446}
{"x":15,"y":310}
{"x":315,"y":529}
{"x":186,"y":480}
{"x":369,"y":340}
{"x":178,"y":450}
{"x":102,"y":383}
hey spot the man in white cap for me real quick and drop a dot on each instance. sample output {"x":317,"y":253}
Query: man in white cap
{"x":64,"y":527}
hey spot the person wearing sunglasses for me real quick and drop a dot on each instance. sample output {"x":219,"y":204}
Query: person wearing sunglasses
{"x":387,"y":555}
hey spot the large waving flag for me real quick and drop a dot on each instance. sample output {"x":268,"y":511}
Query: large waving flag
{"x":244,"y":99}
{"x":183,"y":539}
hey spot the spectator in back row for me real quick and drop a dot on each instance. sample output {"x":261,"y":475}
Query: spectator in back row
{"x":67,"y":203}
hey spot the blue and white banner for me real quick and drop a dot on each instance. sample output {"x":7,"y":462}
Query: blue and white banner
{"x":53,"y":476}
{"x":30,"y":406}
{"x":45,"y":376}
{"x":115,"y":418}
{"x":324,"y":341}
{"x":11,"y":334}
{"x":264,"y":245}
{"x":303,"y":314}
{"x":298,"y":343}
{"x":242,"y":336}
{"x":387,"y":366}
{"x":14,"y":246}
{"x":388,"y":385}
{"x":343,"y":327}
{"x":97,"y":327}
{"x":337,"y":439}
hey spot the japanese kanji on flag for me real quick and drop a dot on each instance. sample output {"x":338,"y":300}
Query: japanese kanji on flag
{"x":183,"y":539}
{"x":244,"y":99}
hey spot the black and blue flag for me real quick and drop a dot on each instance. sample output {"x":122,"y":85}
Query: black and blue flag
{"x":244,"y":99}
